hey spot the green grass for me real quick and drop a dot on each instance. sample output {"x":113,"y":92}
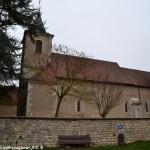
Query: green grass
{"x":139,"y":145}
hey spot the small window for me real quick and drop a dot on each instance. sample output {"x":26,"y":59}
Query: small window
{"x":78,"y":106}
{"x":146,"y":107}
{"x":126,"y":106}
{"x":38,"y":48}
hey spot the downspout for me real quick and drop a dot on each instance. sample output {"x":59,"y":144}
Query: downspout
{"x":140,"y":103}
{"x":139,"y":94}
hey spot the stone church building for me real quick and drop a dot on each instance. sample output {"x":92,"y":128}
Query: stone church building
{"x":37,"y":100}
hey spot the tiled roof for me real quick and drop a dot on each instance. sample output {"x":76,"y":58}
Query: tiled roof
{"x":137,"y":77}
{"x":96,"y":70}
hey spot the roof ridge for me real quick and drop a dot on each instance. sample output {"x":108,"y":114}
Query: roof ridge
{"x":135,"y":70}
{"x":87,"y":58}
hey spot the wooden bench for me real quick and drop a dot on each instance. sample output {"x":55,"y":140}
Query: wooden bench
{"x":68,"y":140}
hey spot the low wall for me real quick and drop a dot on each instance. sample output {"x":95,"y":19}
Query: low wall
{"x":8,"y":110}
{"x":43,"y":131}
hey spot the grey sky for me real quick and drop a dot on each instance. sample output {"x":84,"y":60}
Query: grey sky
{"x":111,"y":30}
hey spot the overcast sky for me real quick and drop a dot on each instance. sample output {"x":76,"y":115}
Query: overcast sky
{"x":111,"y":30}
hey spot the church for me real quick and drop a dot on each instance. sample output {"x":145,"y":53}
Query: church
{"x":43,"y":92}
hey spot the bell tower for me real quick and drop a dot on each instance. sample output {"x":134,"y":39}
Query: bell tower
{"x":36,"y":54}
{"x":35,"y":57}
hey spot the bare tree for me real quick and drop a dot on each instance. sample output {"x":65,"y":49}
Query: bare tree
{"x":103,"y":94}
{"x":67,"y":68}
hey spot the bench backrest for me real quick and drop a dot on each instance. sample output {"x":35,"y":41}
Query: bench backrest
{"x":74,"y":137}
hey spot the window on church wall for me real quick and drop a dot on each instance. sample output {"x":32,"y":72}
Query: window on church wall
{"x":78,"y":106}
{"x":38,"y":46}
{"x":126,"y":107}
{"x":146,"y":107}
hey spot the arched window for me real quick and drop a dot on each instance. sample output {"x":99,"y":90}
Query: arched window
{"x":126,"y":106}
{"x":38,"y":48}
{"x":146,"y":107}
{"x":78,"y":106}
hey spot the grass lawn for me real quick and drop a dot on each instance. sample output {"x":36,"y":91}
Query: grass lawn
{"x":139,"y":145}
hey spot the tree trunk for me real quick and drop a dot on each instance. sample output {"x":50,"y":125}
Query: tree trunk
{"x":58,"y":106}
{"x":103,"y":115}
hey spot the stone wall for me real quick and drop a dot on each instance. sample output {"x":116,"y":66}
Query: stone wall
{"x":42,"y":102}
{"x":8,"y":110}
{"x":44,"y":131}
